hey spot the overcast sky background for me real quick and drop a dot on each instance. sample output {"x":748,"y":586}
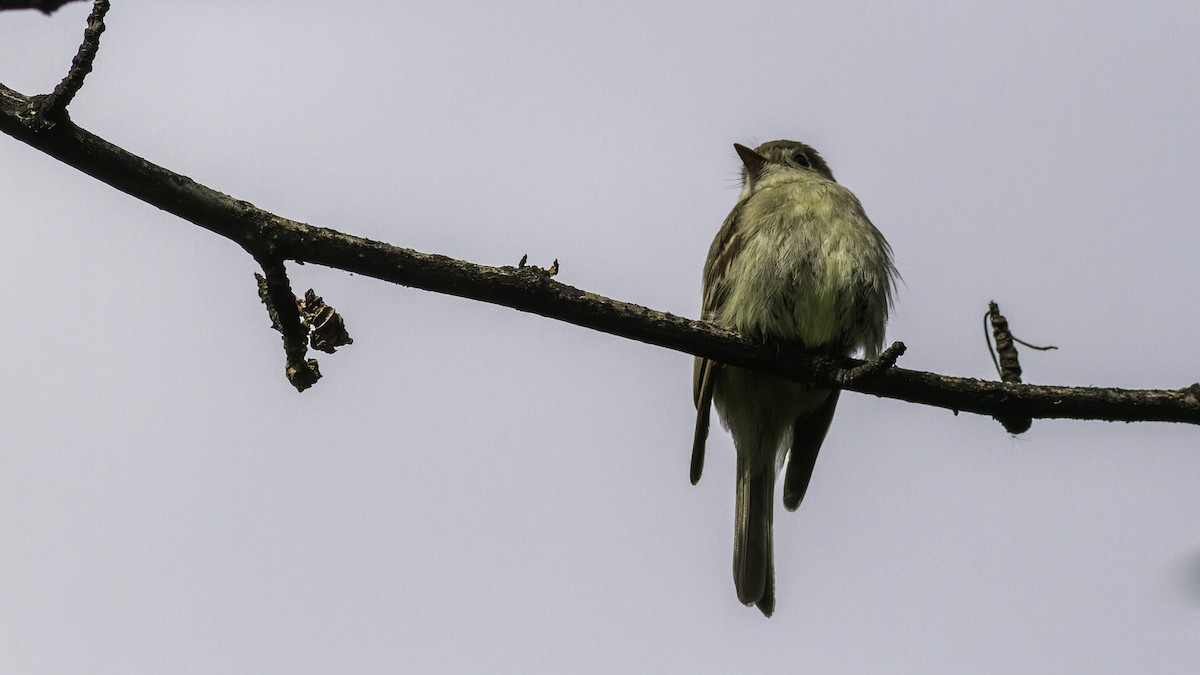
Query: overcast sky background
{"x":472,"y":489}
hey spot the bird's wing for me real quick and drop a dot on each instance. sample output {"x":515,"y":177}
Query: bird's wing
{"x":725,"y":247}
{"x":702,"y":391}
{"x":808,"y":433}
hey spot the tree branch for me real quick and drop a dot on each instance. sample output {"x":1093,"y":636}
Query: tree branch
{"x":44,"y":6}
{"x":532,"y":289}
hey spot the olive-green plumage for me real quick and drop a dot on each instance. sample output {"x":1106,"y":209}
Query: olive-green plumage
{"x":797,"y":262}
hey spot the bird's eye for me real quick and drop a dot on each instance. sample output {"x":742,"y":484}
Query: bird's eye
{"x":801,"y":159}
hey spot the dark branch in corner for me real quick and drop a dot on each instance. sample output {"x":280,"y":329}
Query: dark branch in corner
{"x":44,"y":6}
{"x":531,"y":289}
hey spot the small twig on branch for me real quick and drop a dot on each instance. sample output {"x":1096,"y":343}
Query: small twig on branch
{"x":275,"y":291}
{"x":1008,"y":365}
{"x":873,"y":367}
{"x":526,"y":268}
{"x":49,"y":109}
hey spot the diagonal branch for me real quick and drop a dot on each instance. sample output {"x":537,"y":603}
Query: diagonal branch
{"x":530,"y":289}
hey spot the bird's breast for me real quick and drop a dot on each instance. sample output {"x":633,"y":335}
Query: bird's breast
{"x":805,"y":258}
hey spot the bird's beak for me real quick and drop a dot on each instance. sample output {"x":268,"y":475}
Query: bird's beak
{"x":753,"y":161}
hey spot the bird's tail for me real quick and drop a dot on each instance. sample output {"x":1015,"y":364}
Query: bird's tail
{"x":753,"y":557}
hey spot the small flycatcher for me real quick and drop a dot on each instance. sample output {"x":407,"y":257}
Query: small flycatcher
{"x":796,"y":263}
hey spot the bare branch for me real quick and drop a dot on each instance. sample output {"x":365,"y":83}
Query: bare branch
{"x":531,"y":289}
{"x":44,"y":6}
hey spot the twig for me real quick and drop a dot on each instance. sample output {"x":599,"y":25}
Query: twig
{"x":873,"y":367}
{"x":47,"y":110}
{"x":1008,"y":365}
{"x":275,"y":291}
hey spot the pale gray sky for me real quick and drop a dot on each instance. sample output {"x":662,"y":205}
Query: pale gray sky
{"x":471,"y":489}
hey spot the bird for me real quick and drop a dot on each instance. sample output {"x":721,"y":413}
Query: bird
{"x":798,"y":264}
